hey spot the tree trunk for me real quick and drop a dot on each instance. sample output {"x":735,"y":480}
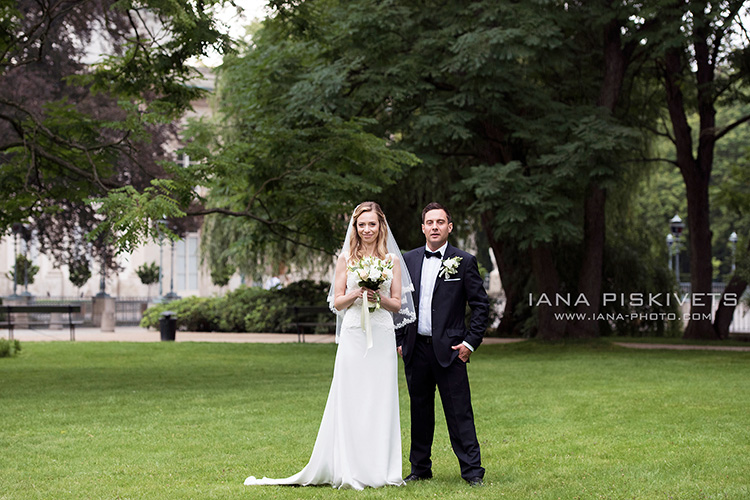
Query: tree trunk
{"x":590,"y":277}
{"x":701,"y":270}
{"x":551,"y":325}
{"x":696,"y":172}
{"x":729,"y":300}
{"x":616,"y":57}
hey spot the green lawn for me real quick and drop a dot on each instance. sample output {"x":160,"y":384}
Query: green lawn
{"x":191,"y":420}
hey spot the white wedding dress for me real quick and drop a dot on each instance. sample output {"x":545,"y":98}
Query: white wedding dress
{"x":359,"y":441}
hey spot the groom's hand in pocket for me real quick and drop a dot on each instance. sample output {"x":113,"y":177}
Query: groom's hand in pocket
{"x":463,"y":352}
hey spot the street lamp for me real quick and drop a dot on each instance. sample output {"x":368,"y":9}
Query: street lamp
{"x":101,"y":246}
{"x":171,"y":295}
{"x":733,"y":241}
{"x":26,"y":235}
{"x":160,"y":231}
{"x":676,"y":226}
{"x":103,"y":275}
{"x":670,"y":242}
{"x":17,"y":229}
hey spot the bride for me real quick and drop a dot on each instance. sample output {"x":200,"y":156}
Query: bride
{"x":359,"y":440}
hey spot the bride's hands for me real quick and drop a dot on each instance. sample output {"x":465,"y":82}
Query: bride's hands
{"x":372,"y":296}
{"x":357,"y":293}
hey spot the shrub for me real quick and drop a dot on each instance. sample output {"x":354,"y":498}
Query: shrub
{"x":253,"y":309}
{"x":79,"y":271}
{"x":9,"y":348}
{"x":26,"y":270}
{"x":148,"y":273}
{"x":306,"y":293}
{"x":246,"y":309}
{"x":194,"y":314}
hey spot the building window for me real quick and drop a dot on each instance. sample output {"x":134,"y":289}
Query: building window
{"x":186,"y":263}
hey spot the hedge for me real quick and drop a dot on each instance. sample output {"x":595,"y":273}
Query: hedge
{"x":246,"y":309}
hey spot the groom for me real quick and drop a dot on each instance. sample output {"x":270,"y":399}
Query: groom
{"x":437,"y":346}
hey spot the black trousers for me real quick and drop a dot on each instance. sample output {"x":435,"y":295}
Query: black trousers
{"x":423,"y":375}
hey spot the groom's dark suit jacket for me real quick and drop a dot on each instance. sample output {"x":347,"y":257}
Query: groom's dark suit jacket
{"x":452,"y":294}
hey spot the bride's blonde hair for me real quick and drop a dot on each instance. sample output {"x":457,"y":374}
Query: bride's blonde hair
{"x":356,"y":248}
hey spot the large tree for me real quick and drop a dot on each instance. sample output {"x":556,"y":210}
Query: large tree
{"x":89,"y":92}
{"x":702,"y":63}
{"x":503,"y":96}
{"x":286,"y":158}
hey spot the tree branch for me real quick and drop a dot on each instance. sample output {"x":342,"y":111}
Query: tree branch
{"x":270,"y":225}
{"x":657,"y":160}
{"x":721,"y":133}
{"x":104,"y":184}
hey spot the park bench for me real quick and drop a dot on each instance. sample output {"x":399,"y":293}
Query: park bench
{"x":307,"y":319}
{"x":8,"y":320}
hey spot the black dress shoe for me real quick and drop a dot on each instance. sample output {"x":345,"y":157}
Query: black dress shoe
{"x":475,"y":481}
{"x":415,"y":477}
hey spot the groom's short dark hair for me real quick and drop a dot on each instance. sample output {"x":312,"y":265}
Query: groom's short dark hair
{"x":436,"y":206}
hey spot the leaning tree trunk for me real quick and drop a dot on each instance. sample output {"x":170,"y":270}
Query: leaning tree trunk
{"x":727,"y":304}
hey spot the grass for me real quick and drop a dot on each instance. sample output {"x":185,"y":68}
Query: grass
{"x":192,"y":420}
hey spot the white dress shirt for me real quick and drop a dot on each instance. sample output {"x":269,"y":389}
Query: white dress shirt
{"x":430,"y":271}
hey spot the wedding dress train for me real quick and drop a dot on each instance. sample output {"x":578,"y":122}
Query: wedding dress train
{"x":359,"y":440}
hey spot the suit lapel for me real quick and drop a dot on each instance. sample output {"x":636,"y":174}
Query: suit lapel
{"x":416,"y":274}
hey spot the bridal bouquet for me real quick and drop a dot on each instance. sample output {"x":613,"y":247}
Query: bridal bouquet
{"x":372,"y":272}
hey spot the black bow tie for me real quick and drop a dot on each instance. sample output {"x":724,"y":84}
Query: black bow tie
{"x":428,"y":254}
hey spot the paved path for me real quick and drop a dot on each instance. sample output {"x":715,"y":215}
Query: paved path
{"x":138,"y":334}
{"x":683,"y":347}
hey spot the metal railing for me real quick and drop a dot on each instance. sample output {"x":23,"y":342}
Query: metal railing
{"x":128,"y":310}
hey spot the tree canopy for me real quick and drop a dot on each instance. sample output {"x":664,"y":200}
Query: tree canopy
{"x":74,"y":125}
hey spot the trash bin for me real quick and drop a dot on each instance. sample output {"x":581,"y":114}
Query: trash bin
{"x":168,"y":325}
